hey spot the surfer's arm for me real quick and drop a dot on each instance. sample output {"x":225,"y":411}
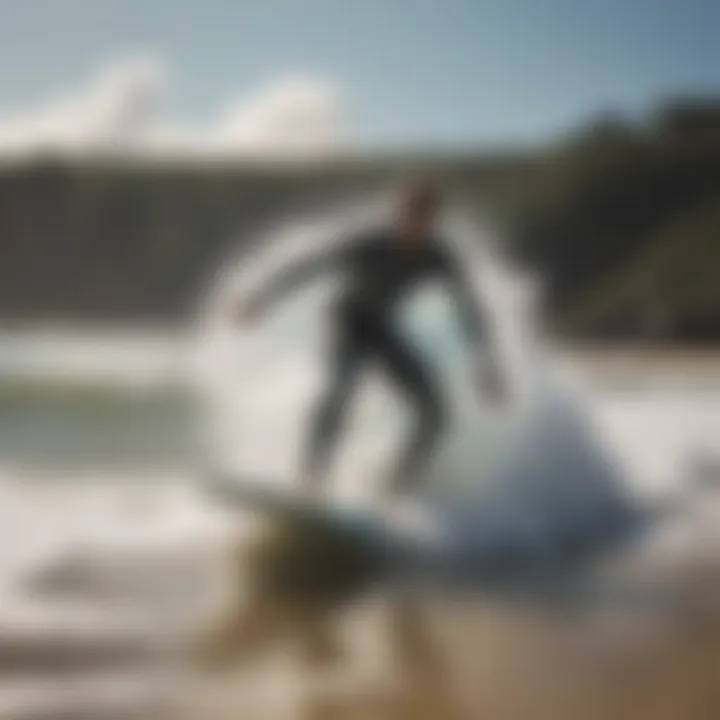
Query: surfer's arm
{"x":474,"y":320}
{"x":293,"y":277}
{"x":471,"y":314}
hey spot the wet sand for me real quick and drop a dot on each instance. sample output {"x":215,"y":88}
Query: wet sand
{"x":665,"y":361}
{"x":648,"y":647}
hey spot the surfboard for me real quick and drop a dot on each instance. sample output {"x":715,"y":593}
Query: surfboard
{"x":368,"y":524}
{"x":494,"y":562}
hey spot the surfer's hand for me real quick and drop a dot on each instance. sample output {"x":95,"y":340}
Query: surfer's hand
{"x":247,"y":311}
{"x":493,"y":385}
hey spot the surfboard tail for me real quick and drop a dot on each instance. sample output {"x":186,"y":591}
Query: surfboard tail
{"x":253,"y":494}
{"x":363,"y":525}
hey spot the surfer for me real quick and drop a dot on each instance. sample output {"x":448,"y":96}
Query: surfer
{"x":379,"y":269}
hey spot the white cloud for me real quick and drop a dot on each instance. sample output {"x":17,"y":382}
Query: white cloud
{"x":293,"y":114}
{"x":120,"y":111}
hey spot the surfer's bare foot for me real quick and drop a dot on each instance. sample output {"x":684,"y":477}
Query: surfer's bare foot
{"x":312,"y":486}
{"x":320,"y":646}
{"x":411,"y":517}
{"x":391,"y":487}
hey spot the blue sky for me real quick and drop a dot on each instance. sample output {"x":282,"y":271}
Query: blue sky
{"x":439,"y":72}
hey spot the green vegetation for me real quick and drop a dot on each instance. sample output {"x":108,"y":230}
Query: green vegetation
{"x":626,"y":230}
{"x":671,"y":288}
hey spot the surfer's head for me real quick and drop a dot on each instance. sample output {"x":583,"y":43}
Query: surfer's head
{"x":419,"y":202}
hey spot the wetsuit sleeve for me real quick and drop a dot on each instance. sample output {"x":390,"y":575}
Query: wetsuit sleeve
{"x":470,"y":312}
{"x":295,"y":276}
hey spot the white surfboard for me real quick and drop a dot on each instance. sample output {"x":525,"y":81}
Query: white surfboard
{"x":494,"y":556}
{"x":368,"y":524}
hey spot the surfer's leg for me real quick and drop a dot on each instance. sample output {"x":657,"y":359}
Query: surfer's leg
{"x":345,"y":363}
{"x":410,"y":372}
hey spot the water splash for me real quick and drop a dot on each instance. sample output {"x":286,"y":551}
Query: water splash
{"x":532,"y":476}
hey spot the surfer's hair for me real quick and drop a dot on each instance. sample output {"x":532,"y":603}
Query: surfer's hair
{"x":420,"y":193}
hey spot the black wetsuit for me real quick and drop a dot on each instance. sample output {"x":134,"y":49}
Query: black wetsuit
{"x":379,"y":271}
